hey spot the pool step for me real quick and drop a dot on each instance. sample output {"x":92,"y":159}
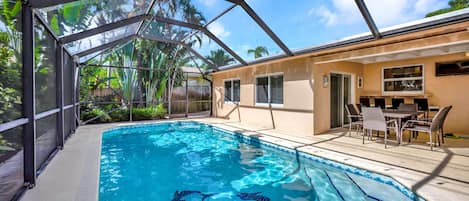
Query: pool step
{"x":322,"y":185}
{"x":376,"y":190}
{"x":346,"y":187}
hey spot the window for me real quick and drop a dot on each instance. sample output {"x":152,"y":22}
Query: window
{"x":403,"y":80}
{"x":269,"y":89}
{"x":232,"y":90}
{"x":452,"y":68}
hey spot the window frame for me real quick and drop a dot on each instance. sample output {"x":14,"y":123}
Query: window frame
{"x":269,"y":91}
{"x":231,"y":80}
{"x":383,"y":80}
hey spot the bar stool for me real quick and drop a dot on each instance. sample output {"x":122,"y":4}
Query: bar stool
{"x":380,"y":102}
{"x":422,"y":105}
{"x":396,"y":102}
{"x":365,"y":101}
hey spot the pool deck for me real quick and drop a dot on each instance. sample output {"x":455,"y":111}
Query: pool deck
{"x":442,"y":174}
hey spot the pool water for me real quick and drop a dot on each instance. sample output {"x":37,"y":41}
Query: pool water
{"x":193,"y":162}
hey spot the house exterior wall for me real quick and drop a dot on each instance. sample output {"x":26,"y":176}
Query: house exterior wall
{"x":306,"y":108}
{"x":295,"y":116}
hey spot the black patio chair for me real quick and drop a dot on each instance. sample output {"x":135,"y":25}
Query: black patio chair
{"x":380,"y":102}
{"x":422,"y":104}
{"x":365,"y":101}
{"x":396,"y":102}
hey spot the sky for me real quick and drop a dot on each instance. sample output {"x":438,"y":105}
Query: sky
{"x":305,"y":23}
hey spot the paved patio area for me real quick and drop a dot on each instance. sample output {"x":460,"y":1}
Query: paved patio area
{"x":442,"y":174}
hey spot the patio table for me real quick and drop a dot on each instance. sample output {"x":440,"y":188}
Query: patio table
{"x":399,"y":115}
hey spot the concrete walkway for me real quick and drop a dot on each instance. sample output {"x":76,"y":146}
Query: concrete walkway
{"x":442,"y":174}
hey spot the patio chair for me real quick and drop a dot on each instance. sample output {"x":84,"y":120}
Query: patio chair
{"x":396,"y":102}
{"x":365,"y":101}
{"x":354,"y":117}
{"x":359,"y":107}
{"x":443,"y":123}
{"x":422,"y":104}
{"x":380,"y":102}
{"x":430,"y":127}
{"x":373,"y":120}
{"x":442,"y":130}
{"x":409,"y":108}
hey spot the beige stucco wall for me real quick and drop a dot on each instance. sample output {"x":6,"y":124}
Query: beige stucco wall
{"x":306,"y":108}
{"x":322,"y":99}
{"x":441,"y":91}
{"x":295,"y":116}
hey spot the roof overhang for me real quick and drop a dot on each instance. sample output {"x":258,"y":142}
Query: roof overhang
{"x":413,"y":53}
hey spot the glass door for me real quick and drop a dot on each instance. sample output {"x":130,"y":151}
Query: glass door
{"x":341,"y":93}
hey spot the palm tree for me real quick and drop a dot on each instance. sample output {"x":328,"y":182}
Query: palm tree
{"x":259,"y":51}
{"x":219,"y":58}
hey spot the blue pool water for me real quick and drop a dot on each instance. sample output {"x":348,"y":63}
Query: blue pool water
{"x":193,"y":161}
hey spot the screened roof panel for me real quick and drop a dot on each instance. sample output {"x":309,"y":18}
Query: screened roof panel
{"x":105,"y":56}
{"x":89,"y":56}
{"x":241,"y":33}
{"x":299,"y":24}
{"x":82,"y":15}
{"x":195,"y":12}
{"x":195,"y":62}
{"x":391,"y":13}
{"x":208,"y":48}
{"x":166,"y":31}
{"x":122,"y":56}
{"x":102,"y":53}
{"x":100,"y":39}
{"x":306,"y":23}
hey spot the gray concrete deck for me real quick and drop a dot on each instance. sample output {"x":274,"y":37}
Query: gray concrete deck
{"x":442,"y":174}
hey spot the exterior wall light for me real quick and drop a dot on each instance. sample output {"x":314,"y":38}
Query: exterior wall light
{"x":325,"y":80}
{"x":360,"y":82}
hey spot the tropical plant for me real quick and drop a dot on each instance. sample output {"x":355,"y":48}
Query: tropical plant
{"x":259,"y":51}
{"x":10,"y":79}
{"x":154,"y":83}
{"x":453,"y":6}
{"x":10,"y":60}
{"x":219,"y":58}
{"x":127,"y":77}
{"x":162,"y":60}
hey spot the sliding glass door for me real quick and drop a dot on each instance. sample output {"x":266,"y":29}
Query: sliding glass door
{"x":341,"y":93}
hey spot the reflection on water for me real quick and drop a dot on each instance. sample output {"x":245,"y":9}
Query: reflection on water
{"x":191,"y":161}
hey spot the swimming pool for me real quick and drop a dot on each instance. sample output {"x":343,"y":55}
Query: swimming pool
{"x":193,"y":161}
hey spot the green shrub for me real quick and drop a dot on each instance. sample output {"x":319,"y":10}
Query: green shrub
{"x":119,"y":115}
{"x":148,"y":113}
{"x":103,"y":116}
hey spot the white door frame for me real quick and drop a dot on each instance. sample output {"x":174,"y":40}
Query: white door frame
{"x":352,"y":91}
